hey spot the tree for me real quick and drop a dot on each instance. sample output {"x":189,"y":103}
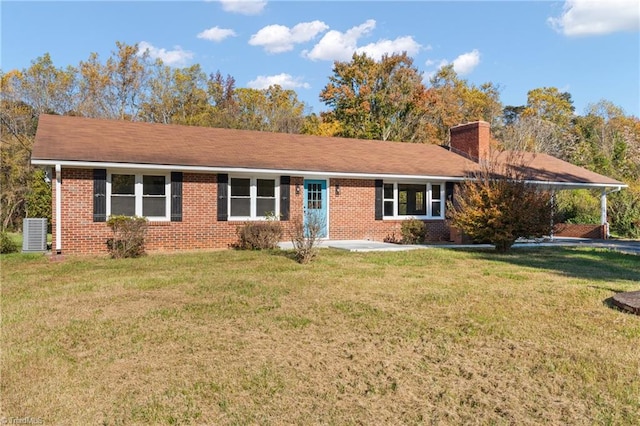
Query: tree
{"x":222,"y":95}
{"x":272,"y":110}
{"x":128,"y":68}
{"x":45,"y":88}
{"x":377,"y":99}
{"x":543,"y":125}
{"x":451,"y":100}
{"x":116,"y":88}
{"x":18,"y":122}
{"x":322,"y":125}
{"x":498,"y":205}
{"x":159,"y":103}
{"x":191,"y":100}
{"x":93,"y":89}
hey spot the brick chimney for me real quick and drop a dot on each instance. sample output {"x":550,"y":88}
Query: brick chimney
{"x":471,"y":140}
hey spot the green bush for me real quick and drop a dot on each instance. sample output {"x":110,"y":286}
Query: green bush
{"x":259,"y":235}
{"x":7,"y":245}
{"x":414,"y":231}
{"x":624,"y":213}
{"x":578,"y":206}
{"x":128,"y":236}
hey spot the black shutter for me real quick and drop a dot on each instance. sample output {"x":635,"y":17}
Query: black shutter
{"x":176,"y":196}
{"x":285,"y":182}
{"x":379,"y":199}
{"x":99,"y":195}
{"x":223,"y":181}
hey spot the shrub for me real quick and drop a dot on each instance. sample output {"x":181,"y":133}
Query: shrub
{"x":259,"y":235}
{"x":306,"y":236}
{"x":414,"y":231}
{"x":624,"y":213}
{"x":578,"y":206}
{"x":499,"y":205}
{"x":128,"y":236}
{"x":7,"y":245}
{"x":392,"y":238}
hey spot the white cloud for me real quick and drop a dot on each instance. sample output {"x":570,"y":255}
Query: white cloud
{"x":286,"y":81}
{"x":174,"y":58}
{"x":216,"y":34}
{"x":337,"y":46}
{"x":466,"y":62}
{"x":597,"y":17}
{"x":244,"y":7}
{"x":399,"y":45}
{"x":278,"y":38}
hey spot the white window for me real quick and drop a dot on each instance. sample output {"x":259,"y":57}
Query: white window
{"x":419,"y":200}
{"x":253,"y":198}
{"x":133,"y":194}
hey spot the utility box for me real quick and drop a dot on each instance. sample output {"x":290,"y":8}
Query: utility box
{"x":34,"y":235}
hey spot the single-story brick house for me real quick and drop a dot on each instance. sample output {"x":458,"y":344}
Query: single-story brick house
{"x":197,"y":185}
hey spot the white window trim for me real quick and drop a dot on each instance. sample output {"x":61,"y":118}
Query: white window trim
{"x":429,"y":200}
{"x":253,"y":196}
{"x":138,"y":192}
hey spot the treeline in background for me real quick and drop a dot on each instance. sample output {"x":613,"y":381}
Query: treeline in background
{"x":364,"y":98}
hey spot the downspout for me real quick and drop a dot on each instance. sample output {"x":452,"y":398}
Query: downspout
{"x":58,"y":209}
{"x":603,"y":208}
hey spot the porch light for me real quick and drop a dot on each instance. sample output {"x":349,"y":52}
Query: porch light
{"x":298,"y":189}
{"x":337,"y":189}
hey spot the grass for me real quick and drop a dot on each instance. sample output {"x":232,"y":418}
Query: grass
{"x":17,"y":238}
{"x":233,"y":337}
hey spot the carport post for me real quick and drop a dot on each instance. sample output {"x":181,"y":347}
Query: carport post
{"x":603,"y":211}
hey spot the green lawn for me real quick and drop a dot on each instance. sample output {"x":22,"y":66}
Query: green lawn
{"x":231,"y":337}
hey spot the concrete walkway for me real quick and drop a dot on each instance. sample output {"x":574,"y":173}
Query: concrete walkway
{"x":360,"y":245}
{"x":625,"y":246}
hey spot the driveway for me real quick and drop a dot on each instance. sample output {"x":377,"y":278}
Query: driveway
{"x":625,"y":246}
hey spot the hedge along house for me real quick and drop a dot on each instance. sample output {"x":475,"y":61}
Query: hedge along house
{"x":196,"y":185}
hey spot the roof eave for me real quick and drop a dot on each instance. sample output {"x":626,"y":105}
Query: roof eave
{"x":240,"y":170}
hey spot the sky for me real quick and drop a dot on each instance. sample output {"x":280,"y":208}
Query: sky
{"x":589,"y":48}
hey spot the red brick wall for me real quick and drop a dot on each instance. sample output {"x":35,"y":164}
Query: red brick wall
{"x":580,"y":231}
{"x":472,"y":139}
{"x":351,"y":216}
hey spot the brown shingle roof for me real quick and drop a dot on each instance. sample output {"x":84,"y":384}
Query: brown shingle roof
{"x":90,"y":140}
{"x":546,"y":168}
{"x":75,"y":139}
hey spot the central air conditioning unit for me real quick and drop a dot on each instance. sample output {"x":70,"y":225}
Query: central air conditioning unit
{"x":34,"y":235}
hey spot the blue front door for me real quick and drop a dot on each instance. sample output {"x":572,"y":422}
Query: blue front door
{"x":315,"y":206}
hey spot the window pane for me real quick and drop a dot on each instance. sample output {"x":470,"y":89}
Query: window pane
{"x":388,"y":191}
{"x":412,"y":200}
{"x":265,"y":205}
{"x":420,"y":205}
{"x":240,"y":207}
{"x":123,"y":184}
{"x":240,"y":187}
{"x":435,"y":192}
{"x":154,"y":206}
{"x":153,"y":185}
{"x":123,"y":205}
{"x":436,"y":208}
{"x":388,"y":208}
{"x":314,"y":196}
{"x":266,"y":188}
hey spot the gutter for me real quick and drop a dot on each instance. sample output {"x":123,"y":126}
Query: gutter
{"x":239,"y":170}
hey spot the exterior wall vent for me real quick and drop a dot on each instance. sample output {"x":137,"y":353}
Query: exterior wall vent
{"x":34,"y":235}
